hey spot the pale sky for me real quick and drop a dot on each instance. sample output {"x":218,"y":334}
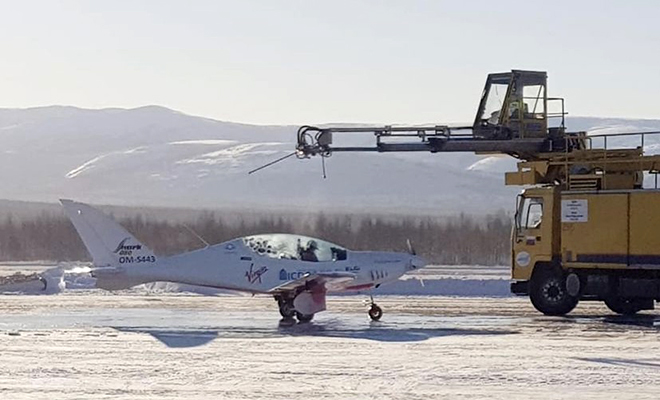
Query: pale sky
{"x":296,"y":62}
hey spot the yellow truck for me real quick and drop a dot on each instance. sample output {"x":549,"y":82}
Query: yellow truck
{"x":587,"y":245}
{"x":584,"y":227}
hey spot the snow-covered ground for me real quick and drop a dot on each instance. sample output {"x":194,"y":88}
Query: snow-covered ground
{"x":149,"y":344}
{"x":79,"y":345}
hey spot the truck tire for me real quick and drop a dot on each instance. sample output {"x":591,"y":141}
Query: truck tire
{"x":547,"y":291}
{"x":626,"y":306}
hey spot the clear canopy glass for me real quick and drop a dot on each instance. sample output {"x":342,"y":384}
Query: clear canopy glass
{"x":294,"y":247}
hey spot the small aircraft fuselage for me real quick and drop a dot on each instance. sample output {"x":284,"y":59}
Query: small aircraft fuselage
{"x":296,"y":270}
{"x":261,"y":264}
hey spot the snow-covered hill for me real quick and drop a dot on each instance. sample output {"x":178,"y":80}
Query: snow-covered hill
{"x":156,"y":156}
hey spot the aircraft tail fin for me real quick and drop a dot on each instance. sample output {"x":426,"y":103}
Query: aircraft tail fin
{"x":108,"y":243}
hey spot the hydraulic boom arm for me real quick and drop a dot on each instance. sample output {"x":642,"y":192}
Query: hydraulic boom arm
{"x":319,"y":141}
{"x":512,"y":119}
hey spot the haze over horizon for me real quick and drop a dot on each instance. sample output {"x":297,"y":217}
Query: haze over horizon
{"x":297,"y":62}
{"x":159,"y":157}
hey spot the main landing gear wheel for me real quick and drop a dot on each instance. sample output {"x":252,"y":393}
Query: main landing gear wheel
{"x":304,"y":317}
{"x":375,"y":312}
{"x":548,"y":291}
{"x":628,"y":306}
{"x":286,"y":309}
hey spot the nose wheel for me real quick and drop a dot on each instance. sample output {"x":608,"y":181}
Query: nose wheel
{"x":375,"y":312}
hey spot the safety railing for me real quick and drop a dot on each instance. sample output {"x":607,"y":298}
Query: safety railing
{"x":562,"y":114}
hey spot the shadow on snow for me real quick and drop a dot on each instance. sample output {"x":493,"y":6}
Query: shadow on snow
{"x":651,"y":321}
{"x":377,"y":331}
{"x":654,"y":363}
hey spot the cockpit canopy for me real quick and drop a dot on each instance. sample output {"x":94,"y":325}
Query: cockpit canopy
{"x":294,"y":247}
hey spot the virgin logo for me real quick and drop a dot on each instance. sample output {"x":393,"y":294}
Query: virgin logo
{"x":253,"y":276}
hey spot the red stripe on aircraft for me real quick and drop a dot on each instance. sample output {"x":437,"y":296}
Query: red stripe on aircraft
{"x":358,"y":287}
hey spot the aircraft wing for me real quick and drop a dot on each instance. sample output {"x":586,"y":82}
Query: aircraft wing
{"x":330,"y":280}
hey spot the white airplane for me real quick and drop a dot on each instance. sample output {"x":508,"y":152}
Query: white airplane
{"x":297,"y":270}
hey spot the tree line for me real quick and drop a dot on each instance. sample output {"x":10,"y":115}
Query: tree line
{"x":462,"y":239}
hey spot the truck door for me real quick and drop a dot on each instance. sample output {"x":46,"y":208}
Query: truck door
{"x":532,"y":238}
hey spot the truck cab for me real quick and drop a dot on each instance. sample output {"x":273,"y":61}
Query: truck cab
{"x":532,"y":236}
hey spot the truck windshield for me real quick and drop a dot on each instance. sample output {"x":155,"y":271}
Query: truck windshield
{"x":530,"y":213}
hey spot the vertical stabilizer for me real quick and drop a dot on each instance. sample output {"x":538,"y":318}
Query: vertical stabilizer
{"x":107,"y":242}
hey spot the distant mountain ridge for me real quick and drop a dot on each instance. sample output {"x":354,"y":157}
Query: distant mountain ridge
{"x":160,"y":157}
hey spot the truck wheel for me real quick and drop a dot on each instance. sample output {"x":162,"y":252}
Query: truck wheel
{"x":548,"y":293}
{"x":626,"y":306}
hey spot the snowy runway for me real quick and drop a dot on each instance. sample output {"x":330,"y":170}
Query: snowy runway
{"x":96,"y":345}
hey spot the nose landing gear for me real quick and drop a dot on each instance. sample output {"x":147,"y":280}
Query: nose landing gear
{"x":375,"y":312}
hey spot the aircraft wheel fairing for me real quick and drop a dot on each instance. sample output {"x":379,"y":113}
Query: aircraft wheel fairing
{"x":375,"y":312}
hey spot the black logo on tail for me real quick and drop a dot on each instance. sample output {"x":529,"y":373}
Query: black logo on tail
{"x":122,"y":246}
